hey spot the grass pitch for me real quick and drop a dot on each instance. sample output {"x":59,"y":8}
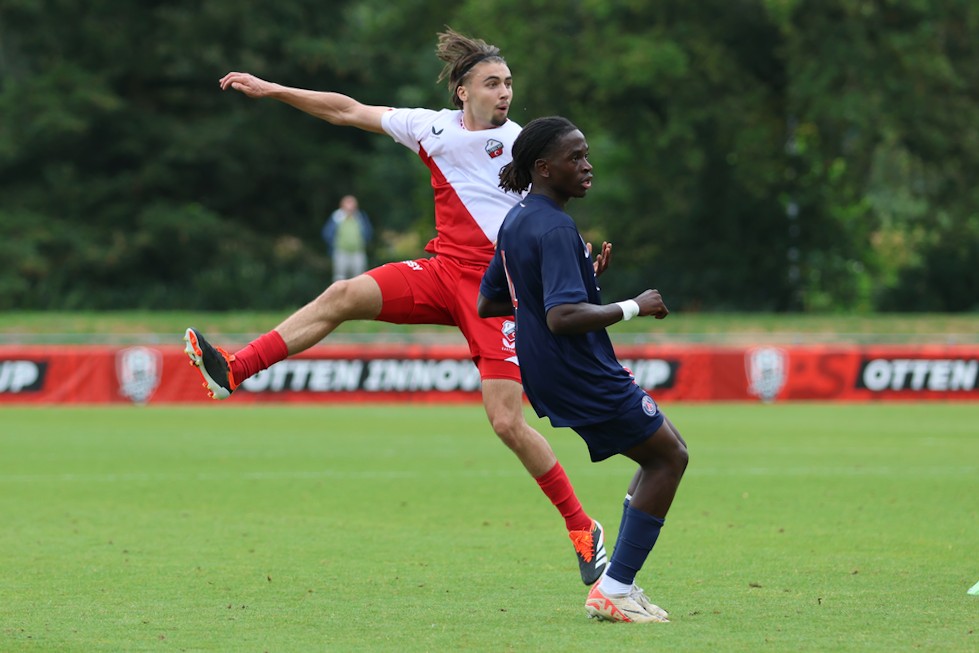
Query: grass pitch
{"x":804,"y":527}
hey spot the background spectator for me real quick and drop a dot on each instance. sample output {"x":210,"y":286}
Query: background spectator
{"x":346,"y":233}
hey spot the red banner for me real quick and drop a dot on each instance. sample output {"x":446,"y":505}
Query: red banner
{"x":432,"y":373}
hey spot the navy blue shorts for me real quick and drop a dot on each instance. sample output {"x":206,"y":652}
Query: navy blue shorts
{"x":637,"y":422}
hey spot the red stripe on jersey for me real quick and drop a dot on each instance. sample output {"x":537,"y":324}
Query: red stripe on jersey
{"x":459,"y":235}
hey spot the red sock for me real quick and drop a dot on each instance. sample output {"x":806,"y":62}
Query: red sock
{"x":261,"y":353}
{"x":557,"y":487}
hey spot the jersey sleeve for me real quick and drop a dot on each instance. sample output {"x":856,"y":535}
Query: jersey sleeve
{"x":561,"y":251}
{"x":408,"y":126}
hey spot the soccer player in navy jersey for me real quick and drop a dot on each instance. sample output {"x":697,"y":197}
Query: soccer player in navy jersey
{"x":543,"y":273}
{"x":464,"y":149}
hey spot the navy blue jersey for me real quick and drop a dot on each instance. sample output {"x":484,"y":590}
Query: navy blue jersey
{"x":541,"y":262}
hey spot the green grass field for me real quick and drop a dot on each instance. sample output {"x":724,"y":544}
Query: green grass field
{"x":804,"y":527}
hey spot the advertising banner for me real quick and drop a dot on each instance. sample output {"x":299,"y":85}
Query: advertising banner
{"x":65,"y":374}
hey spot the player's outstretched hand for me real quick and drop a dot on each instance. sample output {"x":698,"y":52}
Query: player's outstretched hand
{"x":246,"y":83}
{"x":603,"y":258}
{"x":651,"y":303}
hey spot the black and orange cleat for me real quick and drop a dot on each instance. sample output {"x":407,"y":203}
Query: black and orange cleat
{"x":589,"y":546}
{"x":213,"y":363}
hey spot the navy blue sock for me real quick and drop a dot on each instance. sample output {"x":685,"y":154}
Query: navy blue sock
{"x":636,"y":539}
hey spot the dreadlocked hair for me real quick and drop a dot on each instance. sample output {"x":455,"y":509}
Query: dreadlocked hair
{"x":461,"y":54}
{"x":533,"y":143}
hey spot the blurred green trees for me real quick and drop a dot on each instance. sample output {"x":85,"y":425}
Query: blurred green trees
{"x":816,"y":155}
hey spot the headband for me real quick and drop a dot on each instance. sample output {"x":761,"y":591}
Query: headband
{"x":480,"y":59}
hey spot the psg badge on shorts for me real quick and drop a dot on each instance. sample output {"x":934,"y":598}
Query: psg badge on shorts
{"x":138,"y":370}
{"x":767,"y":370}
{"x":649,"y":406}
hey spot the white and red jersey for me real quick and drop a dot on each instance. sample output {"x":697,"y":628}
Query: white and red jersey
{"x":465,"y":166}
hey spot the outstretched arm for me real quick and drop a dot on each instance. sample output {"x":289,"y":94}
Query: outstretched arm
{"x":334,"y":108}
{"x":573,"y":319}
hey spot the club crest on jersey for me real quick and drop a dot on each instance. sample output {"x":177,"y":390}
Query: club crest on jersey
{"x":509,"y":335}
{"x":649,"y":406}
{"x":494,"y":148}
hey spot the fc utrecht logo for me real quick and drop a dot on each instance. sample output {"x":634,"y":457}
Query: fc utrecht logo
{"x":509,"y":335}
{"x":138,"y":371}
{"x":767,"y":371}
{"x":494,"y":148}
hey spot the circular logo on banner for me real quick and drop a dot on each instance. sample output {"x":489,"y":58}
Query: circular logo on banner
{"x":139,"y":370}
{"x":768,"y":370}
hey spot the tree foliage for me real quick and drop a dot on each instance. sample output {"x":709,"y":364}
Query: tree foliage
{"x":815,"y":155}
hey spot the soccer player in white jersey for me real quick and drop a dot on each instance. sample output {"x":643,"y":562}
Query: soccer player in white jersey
{"x":464,"y":150}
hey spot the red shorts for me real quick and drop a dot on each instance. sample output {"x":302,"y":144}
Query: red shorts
{"x":444,"y":291}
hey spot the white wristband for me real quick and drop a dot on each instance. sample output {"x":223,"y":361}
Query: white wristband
{"x":630,"y":309}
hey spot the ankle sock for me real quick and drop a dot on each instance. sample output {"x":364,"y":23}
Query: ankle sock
{"x":557,"y":486}
{"x":260,"y":354}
